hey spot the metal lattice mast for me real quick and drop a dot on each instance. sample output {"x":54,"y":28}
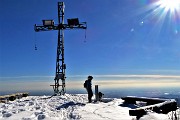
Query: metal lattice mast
{"x":60,"y":65}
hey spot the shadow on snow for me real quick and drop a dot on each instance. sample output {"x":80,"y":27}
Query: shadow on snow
{"x":66,"y":105}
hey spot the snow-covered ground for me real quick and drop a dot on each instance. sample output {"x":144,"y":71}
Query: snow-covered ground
{"x":69,"y":107}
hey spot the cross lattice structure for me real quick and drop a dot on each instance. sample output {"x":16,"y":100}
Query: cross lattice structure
{"x":49,"y":25}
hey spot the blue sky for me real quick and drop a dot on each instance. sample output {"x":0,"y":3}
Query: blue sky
{"x":123,"y":37}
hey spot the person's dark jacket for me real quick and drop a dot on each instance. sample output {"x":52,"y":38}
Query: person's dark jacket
{"x":89,"y":85}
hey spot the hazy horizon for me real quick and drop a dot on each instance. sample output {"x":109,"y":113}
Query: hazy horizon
{"x":76,"y":82}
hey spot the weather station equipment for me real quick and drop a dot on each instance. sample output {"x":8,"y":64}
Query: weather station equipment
{"x":49,"y":25}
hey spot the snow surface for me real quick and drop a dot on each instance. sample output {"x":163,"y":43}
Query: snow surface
{"x":69,"y":107}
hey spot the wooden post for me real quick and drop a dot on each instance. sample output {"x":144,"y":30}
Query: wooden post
{"x":96,"y":93}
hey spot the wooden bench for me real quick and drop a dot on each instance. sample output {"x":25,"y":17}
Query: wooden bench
{"x":150,"y":101}
{"x":56,"y":85}
{"x":153,"y":104}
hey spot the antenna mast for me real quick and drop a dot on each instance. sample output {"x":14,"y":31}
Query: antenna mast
{"x":49,"y":25}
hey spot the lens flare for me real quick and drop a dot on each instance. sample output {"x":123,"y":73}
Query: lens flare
{"x":163,"y":16}
{"x":172,"y":5}
{"x":164,"y":10}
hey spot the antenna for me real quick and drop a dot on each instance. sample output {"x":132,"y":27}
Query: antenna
{"x":35,"y":47}
{"x":85,"y":37}
{"x":49,"y":25}
{"x":35,"y":42}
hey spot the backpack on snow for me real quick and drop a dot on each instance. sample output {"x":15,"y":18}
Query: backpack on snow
{"x":85,"y":84}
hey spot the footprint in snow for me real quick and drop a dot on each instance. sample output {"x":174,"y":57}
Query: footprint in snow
{"x":41,"y":116}
{"x":7,"y":114}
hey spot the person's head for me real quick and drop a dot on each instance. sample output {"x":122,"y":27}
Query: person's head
{"x":90,"y":77}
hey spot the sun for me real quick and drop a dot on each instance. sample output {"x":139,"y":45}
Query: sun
{"x":164,"y":14}
{"x":172,"y":5}
{"x":165,"y":9}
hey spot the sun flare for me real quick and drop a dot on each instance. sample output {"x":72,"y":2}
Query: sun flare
{"x":171,"y":5}
{"x":162,"y":10}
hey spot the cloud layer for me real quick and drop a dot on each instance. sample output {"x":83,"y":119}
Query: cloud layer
{"x":76,"y":82}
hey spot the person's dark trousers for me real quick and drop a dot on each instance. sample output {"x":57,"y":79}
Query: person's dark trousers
{"x":90,"y":94}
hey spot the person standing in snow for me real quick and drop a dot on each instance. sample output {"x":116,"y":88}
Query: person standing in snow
{"x":88,"y":87}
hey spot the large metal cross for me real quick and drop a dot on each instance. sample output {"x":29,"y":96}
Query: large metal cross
{"x":49,"y":25}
